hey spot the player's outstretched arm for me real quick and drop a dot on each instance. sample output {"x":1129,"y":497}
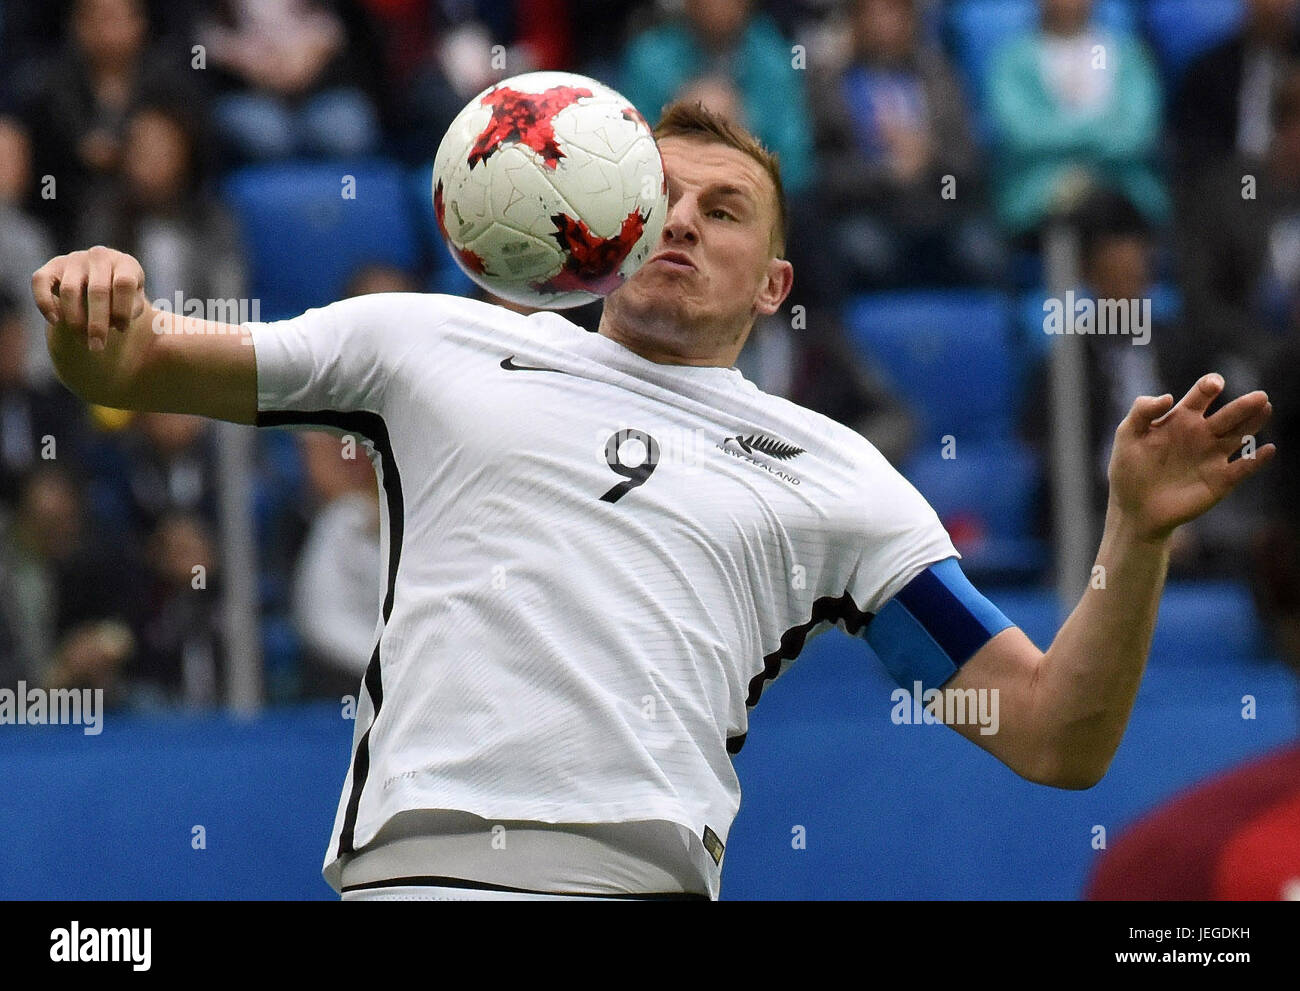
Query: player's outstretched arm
{"x":1063,"y":712}
{"x":111,"y":347}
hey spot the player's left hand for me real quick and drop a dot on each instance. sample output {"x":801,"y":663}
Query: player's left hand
{"x":1170,"y":462}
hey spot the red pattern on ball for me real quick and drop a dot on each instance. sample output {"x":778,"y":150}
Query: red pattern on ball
{"x":591,"y":263}
{"x":524,"y":118}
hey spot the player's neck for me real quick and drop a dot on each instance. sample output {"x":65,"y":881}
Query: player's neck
{"x":665,"y":352}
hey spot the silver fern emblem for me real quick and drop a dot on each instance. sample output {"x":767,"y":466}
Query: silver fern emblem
{"x":770,"y":446}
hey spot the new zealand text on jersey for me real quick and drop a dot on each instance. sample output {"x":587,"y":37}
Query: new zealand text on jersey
{"x":745,"y":446}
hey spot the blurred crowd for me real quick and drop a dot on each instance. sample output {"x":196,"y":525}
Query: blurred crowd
{"x":915,"y":156}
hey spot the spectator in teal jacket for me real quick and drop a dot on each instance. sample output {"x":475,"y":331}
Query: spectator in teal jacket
{"x":736,"y":62}
{"x":1074,"y":107}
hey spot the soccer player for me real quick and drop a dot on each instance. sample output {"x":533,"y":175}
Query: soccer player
{"x":599,"y":549}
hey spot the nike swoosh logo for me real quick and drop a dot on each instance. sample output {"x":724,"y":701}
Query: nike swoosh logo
{"x":509,"y":365}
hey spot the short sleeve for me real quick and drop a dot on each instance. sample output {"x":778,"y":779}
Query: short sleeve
{"x":901,"y":535}
{"x":339,"y":357}
{"x":923,"y":618}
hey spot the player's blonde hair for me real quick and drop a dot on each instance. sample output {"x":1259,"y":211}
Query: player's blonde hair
{"x":684,"y":118}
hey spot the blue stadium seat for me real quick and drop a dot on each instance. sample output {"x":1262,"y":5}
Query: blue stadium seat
{"x":952,"y":356}
{"x":985,"y":498}
{"x":949,"y":353}
{"x":1200,"y":624}
{"x":1208,"y":622}
{"x":305,"y":240}
{"x":1180,"y":30}
{"x":281,"y":659}
{"x":978,"y":28}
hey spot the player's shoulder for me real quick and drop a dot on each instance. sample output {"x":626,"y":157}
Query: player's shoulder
{"x":815,"y":431}
{"x":398,"y":314}
{"x":429,"y":306}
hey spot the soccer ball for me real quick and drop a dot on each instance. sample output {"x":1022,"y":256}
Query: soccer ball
{"x":550,"y":190}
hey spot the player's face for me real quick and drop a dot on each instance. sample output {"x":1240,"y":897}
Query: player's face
{"x":713,"y":271}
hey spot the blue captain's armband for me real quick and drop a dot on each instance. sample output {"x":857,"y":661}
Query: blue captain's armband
{"x":934,"y":625}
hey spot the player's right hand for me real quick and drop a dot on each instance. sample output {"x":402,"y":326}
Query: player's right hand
{"x":87,"y":293}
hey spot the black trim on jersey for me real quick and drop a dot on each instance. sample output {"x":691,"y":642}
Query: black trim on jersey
{"x":429,"y":880}
{"x":372,"y":427}
{"x":825,"y":609}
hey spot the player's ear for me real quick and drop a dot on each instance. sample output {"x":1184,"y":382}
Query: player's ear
{"x":776,"y":286}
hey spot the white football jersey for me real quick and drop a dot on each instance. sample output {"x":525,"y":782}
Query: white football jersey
{"x":593,"y":564}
